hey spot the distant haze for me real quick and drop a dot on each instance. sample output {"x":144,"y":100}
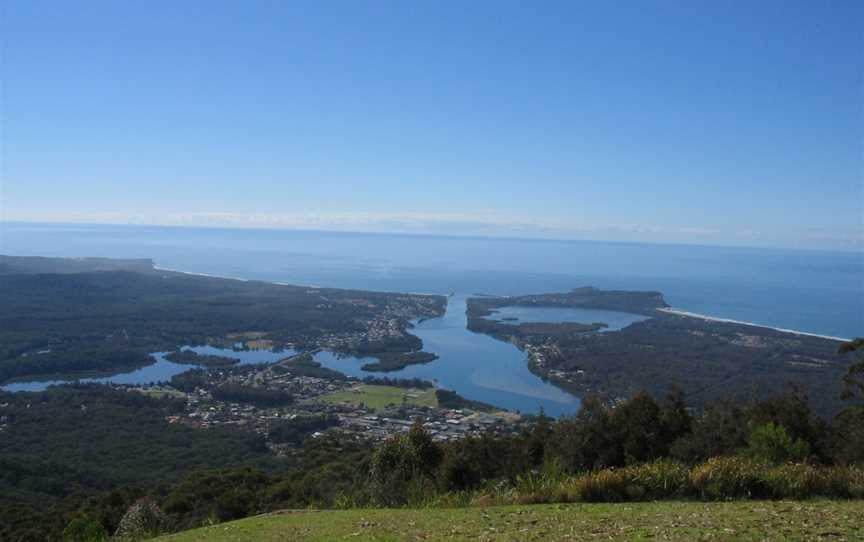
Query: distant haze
{"x":717,"y":123}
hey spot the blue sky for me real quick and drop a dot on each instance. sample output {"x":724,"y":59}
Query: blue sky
{"x":708,"y":122}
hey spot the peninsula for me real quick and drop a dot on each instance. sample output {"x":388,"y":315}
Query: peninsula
{"x":706,"y":358}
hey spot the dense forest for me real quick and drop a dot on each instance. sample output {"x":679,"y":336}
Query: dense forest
{"x":706,"y":359}
{"x":85,"y":456}
{"x":68,"y":443}
{"x":100,"y":321}
{"x":588,"y":297}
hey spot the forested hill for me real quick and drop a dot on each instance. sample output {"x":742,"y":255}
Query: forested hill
{"x":586,"y":297}
{"x":12,"y":265}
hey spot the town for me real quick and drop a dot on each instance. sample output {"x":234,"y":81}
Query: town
{"x":296,"y":398}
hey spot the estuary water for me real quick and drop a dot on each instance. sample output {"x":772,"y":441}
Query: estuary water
{"x":161,"y":370}
{"x":812,"y":291}
{"x":474,"y":365}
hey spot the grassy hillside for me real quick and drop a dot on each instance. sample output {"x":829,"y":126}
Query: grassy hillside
{"x":753,"y":520}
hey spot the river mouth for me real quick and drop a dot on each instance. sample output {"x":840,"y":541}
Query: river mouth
{"x":474,"y":365}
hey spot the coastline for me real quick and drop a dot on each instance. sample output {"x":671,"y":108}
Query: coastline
{"x":686,"y":314}
{"x":280,"y":283}
{"x":667,"y":310}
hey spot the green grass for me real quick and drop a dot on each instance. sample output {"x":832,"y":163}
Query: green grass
{"x":379,"y":397}
{"x":742,"y":520}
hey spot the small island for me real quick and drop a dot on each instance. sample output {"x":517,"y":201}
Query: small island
{"x":191,"y":357}
{"x":395,"y":361}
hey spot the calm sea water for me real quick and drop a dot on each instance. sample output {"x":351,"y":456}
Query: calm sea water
{"x":813,"y":291}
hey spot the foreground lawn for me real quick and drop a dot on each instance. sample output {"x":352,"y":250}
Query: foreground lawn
{"x":744,"y":520}
{"x":379,"y":397}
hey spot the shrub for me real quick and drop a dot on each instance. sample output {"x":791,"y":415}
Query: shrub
{"x":607,"y":485}
{"x":82,"y":529}
{"x":657,"y":480}
{"x":495,"y":493}
{"x":796,"y":481}
{"x":772,"y":444}
{"x":799,"y":481}
{"x":483,"y":501}
{"x":402,"y":469}
{"x":453,"y":499}
{"x":844,"y":482}
{"x":724,"y":478}
{"x":346,"y":502}
{"x":661,"y":479}
{"x":717,"y":431}
{"x":847,"y":437}
{"x":537,"y":487}
{"x":144,"y":519}
{"x":855,"y":477}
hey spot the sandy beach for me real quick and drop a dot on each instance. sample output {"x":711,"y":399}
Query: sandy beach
{"x":752,"y":324}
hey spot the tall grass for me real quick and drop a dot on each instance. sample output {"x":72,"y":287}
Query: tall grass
{"x":721,"y":478}
{"x":724,"y":478}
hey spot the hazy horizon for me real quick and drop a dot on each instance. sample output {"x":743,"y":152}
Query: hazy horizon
{"x":421,"y":234}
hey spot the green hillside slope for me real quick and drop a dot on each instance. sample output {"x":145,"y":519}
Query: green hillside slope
{"x":747,"y":520}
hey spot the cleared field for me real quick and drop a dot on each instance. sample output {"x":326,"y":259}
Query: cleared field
{"x":379,"y":397}
{"x":743,"y":520}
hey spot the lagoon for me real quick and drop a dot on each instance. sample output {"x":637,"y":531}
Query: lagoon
{"x":160,"y":371}
{"x":614,"y":320}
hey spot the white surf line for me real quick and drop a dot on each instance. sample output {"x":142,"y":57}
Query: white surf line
{"x":752,"y":324}
{"x":157,"y":268}
{"x":311,"y":286}
{"x":278,"y":283}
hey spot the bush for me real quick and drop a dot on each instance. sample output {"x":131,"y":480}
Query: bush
{"x":842,"y":482}
{"x":661,"y":479}
{"x":403,"y":468}
{"x":847,"y":437}
{"x":725,"y":478}
{"x":796,"y":481}
{"x":495,"y":493}
{"x":607,"y":485}
{"x":772,"y":444}
{"x":213,"y":496}
{"x":799,"y":481}
{"x":855,"y":478}
{"x":537,"y":487}
{"x":82,"y":529}
{"x":144,"y":519}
